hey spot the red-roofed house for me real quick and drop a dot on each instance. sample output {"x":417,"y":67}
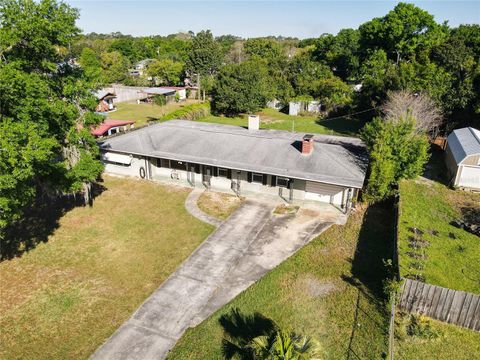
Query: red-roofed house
{"x":110,"y":127}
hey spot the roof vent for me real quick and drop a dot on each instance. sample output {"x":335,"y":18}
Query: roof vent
{"x":253,"y":122}
{"x":307,"y":144}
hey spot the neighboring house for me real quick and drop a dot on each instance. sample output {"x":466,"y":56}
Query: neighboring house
{"x":110,"y":127}
{"x":105,"y":101}
{"x":140,"y":67}
{"x":294,"y":166}
{"x":463,"y":158}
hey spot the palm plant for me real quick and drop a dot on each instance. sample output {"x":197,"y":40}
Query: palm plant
{"x":255,"y":337}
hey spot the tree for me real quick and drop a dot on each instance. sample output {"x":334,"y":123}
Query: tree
{"x":115,"y":67}
{"x":166,"y":71}
{"x":397,"y":152}
{"x":402,"y":104}
{"x":45,"y":108}
{"x":206,"y":54}
{"x":242,"y":88}
{"x":332,"y":92}
{"x":91,"y":65}
{"x":402,"y":33}
{"x":262,"y":48}
{"x":340,"y":52}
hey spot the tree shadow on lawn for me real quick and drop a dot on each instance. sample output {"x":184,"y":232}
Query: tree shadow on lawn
{"x":374,"y":247}
{"x":436,"y":168}
{"x":39,"y":221}
{"x":343,"y":125}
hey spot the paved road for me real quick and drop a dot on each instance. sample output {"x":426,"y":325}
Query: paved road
{"x":243,"y":248}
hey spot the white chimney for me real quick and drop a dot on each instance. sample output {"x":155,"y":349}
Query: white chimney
{"x":253,"y":122}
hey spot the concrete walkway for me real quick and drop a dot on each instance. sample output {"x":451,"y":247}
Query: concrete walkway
{"x":192,"y":208}
{"x":248,"y":244}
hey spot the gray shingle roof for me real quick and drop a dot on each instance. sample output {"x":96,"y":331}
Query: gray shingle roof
{"x":464,"y":142}
{"x":334,"y":160}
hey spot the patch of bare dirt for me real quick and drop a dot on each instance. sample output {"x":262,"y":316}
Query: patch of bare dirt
{"x":315,"y":287}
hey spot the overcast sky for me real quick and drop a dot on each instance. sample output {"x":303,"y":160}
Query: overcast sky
{"x":300,"y":19}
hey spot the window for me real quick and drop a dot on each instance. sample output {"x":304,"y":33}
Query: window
{"x":116,"y":163}
{"x":165,"y":163}
{"x":282,"y":182}
{"x":223,"y":172}
{"x":258,"y":178}
{"x":179,"y":165}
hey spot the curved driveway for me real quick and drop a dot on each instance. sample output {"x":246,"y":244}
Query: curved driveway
{"x":248,"y":244}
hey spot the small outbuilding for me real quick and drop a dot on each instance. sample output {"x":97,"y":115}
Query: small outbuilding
{"x":110,"y":127}
{"x":463,"y":158}
{"x":105,"y":101}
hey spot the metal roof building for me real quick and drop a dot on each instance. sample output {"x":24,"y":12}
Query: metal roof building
{"x":463,"y":157}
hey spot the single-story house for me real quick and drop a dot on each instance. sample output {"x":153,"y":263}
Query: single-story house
{"x":105,"y":101}
{"x":463,"y":158}
{"x":110,"y":127}
{"x":294,"y":166}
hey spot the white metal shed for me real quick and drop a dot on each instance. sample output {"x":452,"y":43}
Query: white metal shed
{"x":463,"y":158}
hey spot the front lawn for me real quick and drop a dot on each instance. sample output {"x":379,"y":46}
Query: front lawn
{"x":430,"y":247}
{"x":64,"y":298}
{"x":330,"y":290}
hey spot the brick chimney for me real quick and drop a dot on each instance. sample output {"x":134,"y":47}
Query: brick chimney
{"x":307,"y":144}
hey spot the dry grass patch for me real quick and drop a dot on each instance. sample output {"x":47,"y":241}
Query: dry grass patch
{"x":64,"y":298}
{"x":218,"y":205}
{"x":283,"y":209}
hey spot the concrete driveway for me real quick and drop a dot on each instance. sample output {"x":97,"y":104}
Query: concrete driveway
{"x":242,"y":249}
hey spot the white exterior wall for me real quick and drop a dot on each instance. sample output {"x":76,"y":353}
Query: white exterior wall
{"x":302,"y":190}
{"x":182,"y":93}
{"x":325,"y":193}
{"x":468,"y":176}
{"x":132,"y":170}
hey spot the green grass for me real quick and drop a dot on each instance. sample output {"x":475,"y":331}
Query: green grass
{"x":273,"y":119}
{"x":453,"y":343}
{"x":451,"y":254}
{"x":62,"y":299}
{"x":315,"y":293}
{"x":269,"y":119}
{"x":143,"y":113}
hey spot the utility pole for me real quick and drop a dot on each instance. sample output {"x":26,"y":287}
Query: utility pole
{"x":198,"y":87}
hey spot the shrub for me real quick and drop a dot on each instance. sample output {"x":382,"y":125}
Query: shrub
{"x":189,"y":112}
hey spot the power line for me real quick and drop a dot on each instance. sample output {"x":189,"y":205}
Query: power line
{"x":342,"y":116}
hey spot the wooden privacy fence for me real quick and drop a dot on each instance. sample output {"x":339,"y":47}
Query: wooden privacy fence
{"x":451,"y":306}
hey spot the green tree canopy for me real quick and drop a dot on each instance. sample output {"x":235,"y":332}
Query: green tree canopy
{"x":115,"y":67}
{"x":397,"y":151}
{"x":242,"y":88}
{"x":166,"y":71}
{"x":206,"y":54}
{"x":45,"y":107}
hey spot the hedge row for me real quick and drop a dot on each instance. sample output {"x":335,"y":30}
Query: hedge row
{"x":189,"y":112}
